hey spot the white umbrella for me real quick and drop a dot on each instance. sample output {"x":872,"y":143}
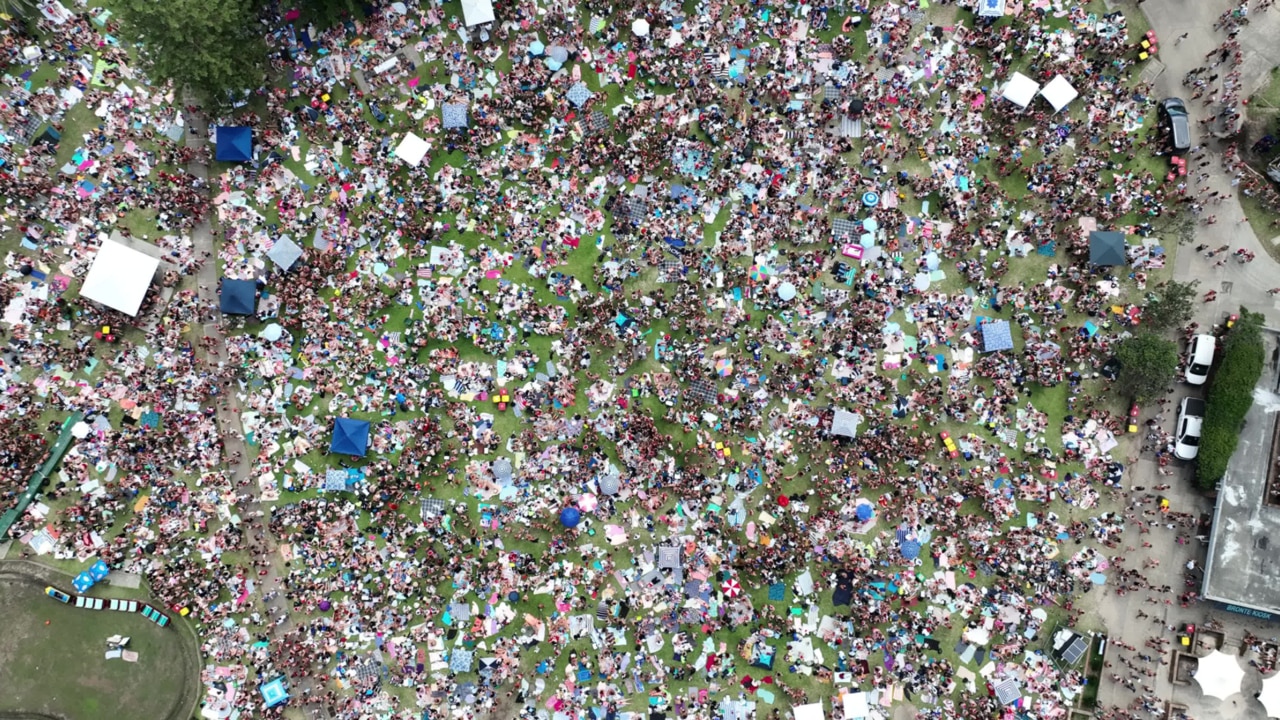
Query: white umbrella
{"x":787,"y":291}
{"x":80,"y":430}
{"x":587,"y":502}
{"x":640,"y":27}
{"x":675,"y":39}
{"x":1270,"y":695}
{"x":1219,"y":675}
{"x":272,"y":332}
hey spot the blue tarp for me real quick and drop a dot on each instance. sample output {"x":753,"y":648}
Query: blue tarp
{"x":996,"y":335}
{"x":235,"y":144}
{"x":238,"y":297}
{"x":350,"y":437}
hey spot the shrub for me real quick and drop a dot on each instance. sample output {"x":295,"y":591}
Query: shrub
{"x":1230,"y":396}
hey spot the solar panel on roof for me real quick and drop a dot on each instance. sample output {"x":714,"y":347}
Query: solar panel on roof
{"x":1074,"y":651}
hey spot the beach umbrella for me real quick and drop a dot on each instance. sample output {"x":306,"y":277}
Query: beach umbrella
{"x":536,"y":48}
{"x":325,"y":605}
{"x":558,"y":52}
{"x":787,"y":291}
{"x":554,"y":64}
{"x":570,"y":517}
{"x":870,"y":199}
{"x":724,"y":367}
{"x":272,"y":332}
{"x":80,"y":430}
{"x":731,"y":588}
{"x":870,"y":224}
{"x":1219,"y":675}
{"x":609,"y":484}
{"x":640,"y":27}
{"x":1270,"y":695}
{"x":587,"y":502}
{"x":865,"y":512}
{"x":759,"y":272}
{"x":783,"y":501}
{"x":675,"y":39}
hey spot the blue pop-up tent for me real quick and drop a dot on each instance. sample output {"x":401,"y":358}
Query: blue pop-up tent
{"x":238,"y":297}
{"x":274,"y":692}
{"x":350,"y":437}
{"x":235,"y":144}
{"x":99,"y":571}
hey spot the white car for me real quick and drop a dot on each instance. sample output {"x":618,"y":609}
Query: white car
{"x":1186,"y":438}
{"x":1200,"y":358}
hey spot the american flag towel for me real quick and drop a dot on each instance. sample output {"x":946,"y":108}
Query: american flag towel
{"x":424,"y":271}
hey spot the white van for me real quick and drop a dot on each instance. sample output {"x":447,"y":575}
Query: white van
{"x":1199,"y":358}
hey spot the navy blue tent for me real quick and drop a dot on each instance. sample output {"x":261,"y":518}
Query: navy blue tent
{"x":996,"y":335}
{"x":238,"y":297}
{"x":235,"y":144}
{"x":350,"y":437}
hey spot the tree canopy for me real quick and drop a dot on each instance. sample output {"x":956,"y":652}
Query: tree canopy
{"x":210,"y":47}
{"x":1148,"y":364}
{"x":1170,"y":306}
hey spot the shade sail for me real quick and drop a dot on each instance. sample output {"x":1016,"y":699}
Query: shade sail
{"x":119,"y":277}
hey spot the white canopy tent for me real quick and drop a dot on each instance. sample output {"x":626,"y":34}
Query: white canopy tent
{"x":477,"y":12}
{"x":1270,"y":695}
{"x":119,"y":277}
{"x":412,"y":149}
{"x":812,"y":711}
{"x":1020,"y":90}
{"x":1219,"y":675}
{"x":1059,"y":93}
{"x":856,"y":706}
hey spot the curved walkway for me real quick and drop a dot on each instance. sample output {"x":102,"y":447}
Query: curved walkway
{"x":25,"y":572}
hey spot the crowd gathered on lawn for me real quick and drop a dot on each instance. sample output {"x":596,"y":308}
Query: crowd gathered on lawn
{"x":654,"y":360}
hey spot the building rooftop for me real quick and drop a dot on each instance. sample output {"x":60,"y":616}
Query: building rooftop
{"x":1243,"y":566}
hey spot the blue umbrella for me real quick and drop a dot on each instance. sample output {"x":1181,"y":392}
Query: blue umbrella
{"x":536,"y":47}
{"x":870,"y":199}
{"x":911,"y":549}
{"x":865,"y":512}
{"x":554,"y":64}
{"x":570,"y":517}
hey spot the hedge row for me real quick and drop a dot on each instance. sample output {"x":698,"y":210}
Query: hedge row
{"x":1230,"y":396}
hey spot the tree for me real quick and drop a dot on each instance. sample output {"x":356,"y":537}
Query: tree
{"x":1230,"y":396}
{"x":210,"y":47}
{"x":1148,"y":363}
{"x":1171,"y":306}
{"x":325,"y":13}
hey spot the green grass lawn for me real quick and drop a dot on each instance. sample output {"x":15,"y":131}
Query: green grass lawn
{"x":51,"y":659}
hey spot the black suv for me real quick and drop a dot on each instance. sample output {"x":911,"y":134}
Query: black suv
{"x":1175,"y":124}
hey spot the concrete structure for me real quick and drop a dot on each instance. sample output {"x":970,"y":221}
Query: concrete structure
{"x":1242,"y":571}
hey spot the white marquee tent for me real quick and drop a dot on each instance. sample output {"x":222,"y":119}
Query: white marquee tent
{"x":1020,"y":90}
{"x":856,"y":706}
{"x":812,"y":711}
{"x":1219,"y":675}
{"x":1059,"y":93}
{"x":477,"y":12}
{"x":412,"y":149}
{"x":119,"y":277}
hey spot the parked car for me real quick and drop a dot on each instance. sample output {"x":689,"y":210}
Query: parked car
{"x":57,"y":594}
{"x":1200,"y":358}
{"x":1187,"y":436}
{"x":1175,"y":124}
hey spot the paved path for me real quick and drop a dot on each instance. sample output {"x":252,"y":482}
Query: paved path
{"x":233,"y":438}
{"x":1236,"y":285}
